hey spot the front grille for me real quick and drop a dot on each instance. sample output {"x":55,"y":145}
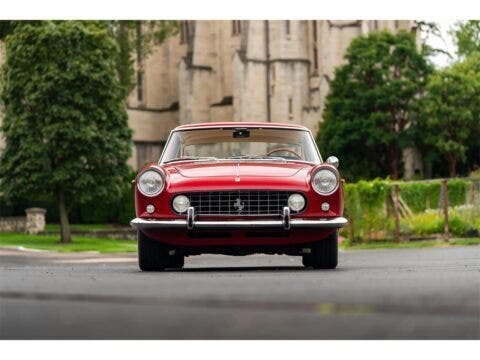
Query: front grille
{"x":239,"y":202}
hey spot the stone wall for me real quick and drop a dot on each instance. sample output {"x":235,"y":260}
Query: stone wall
{"x":13,"y":224}
{"x":33,"y":223}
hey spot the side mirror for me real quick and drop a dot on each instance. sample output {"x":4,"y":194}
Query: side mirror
{"x":333,"y":160}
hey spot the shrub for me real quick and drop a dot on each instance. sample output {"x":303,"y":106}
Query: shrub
{"x":427,"y":223}
{"x":368,"y":204}
{"x":117,"y":211}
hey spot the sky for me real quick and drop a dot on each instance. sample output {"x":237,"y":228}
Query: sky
{"x":445,"y":42}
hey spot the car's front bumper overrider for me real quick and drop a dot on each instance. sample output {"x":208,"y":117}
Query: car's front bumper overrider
{"x":286,"y":223}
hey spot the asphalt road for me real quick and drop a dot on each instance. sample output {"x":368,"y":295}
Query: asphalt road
{"x":377,"y":294}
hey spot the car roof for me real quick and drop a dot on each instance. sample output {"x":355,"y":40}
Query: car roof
{"x":232,"y":124}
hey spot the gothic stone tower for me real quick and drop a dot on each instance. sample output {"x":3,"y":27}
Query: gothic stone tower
{"x":255,"y":70}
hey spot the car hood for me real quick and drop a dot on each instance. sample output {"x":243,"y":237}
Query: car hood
{"x":248,"y":174}
{"x":239,"y":169}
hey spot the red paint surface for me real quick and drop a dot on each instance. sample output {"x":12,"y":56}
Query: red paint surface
{"x":220,"y":176}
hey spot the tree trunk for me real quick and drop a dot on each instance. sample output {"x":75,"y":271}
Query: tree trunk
{"x":393,"y":158}
{"x":452,"y":165}
{"x":65,"y":236}
{"x":396,"y":212}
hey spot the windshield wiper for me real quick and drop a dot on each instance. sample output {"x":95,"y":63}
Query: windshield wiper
{"x":256,"y":157}
{"x":201,"y":158}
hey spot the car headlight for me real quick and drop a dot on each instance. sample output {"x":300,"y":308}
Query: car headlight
{"x":325,"y":182}
{"x":150,"y":183}
{"x":296,"y":202}
{"x":180,"y":204}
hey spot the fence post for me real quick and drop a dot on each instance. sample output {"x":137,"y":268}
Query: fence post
{"x":471,"y":193}
{"x":388,"y":203}
{"x":445,"y":209}
{"x":396,"y":212}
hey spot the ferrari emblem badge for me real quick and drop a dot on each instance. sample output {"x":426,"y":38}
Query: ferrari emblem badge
{"x":239,"y":205}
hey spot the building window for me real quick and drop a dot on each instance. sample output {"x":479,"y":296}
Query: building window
{"x":397,"y":24}
{"x":315,"y":45}
{"x":290,"y":109}
{"x":184,"y":31}
{"x":140,"y":85}
{"x":287,"y":27}
{"x":236,"y":27}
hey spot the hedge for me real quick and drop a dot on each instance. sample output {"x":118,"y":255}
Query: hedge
{"x":369,"y":207}
{"x":420,"y":196}
{"x":366,"y":206}
{"x":118,"y":211}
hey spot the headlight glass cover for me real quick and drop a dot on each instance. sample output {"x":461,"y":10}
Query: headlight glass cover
{"x":151,"y":183}
{"x":325,"y":181}
{"x":296,"y":202}
{"x":180,"y":204}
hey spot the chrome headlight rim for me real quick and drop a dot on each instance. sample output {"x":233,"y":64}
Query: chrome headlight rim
{"x":173,"y":204}
{"x":139,"y":182}
{"x":315,"y":173}
{"x":303,"y":206}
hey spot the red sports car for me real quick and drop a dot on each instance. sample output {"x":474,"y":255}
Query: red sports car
{"x":238,"y":189}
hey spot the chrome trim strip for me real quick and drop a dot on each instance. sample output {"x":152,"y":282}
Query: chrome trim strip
{"x":190,"y":218}
{"x":286,"y":218}
{"x":337,"y":222}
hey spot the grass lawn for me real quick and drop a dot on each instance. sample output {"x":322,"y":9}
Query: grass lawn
{"x":79,"y":227}
{"x":51,"y":242}
{"x":410,"y":244}
{"x":103,"y":245}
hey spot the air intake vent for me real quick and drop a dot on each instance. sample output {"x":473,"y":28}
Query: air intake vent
{"x":241,"y":202}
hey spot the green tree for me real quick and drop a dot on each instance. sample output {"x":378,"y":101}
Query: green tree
{"x":369,"y":106}
{"x":451,"y":111}
{"x":65,"y":123}
{"x":467,"y":37}
{"x":134,"y":37}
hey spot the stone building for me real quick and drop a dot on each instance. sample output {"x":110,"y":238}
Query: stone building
{"x":251,"y":70}
{"x":239,"y":70}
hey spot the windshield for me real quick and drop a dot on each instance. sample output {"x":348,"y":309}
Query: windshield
{"x":241,"y":143}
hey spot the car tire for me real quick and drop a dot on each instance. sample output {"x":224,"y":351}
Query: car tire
{"x":178,"y":261}
{"x":307,"y":261}
{"x":324,"y":253}
{"x":155,"y":256}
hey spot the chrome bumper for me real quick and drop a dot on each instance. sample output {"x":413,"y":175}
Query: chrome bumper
{"x":284,"y":223}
